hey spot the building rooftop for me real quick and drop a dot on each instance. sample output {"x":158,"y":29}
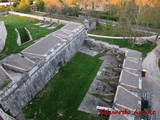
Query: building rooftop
{"x":125,"y":99}
{"x":129,"y":78}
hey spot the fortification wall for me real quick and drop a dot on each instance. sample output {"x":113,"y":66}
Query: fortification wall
{"x":17,"y":94}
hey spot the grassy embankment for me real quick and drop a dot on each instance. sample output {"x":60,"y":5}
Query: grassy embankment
{"x":145,"y":48}
{"x":62,"y":96}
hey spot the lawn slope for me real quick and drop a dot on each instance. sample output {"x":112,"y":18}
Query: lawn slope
{"x":61,"y":98}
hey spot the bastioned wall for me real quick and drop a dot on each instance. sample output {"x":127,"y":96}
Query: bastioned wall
{"x":17,"y":95}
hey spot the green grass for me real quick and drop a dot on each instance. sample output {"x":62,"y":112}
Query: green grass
{"x":4,"y":84}
{"x":65,"y":92}
{"x":13,"y":22}
{"x":145,"y":48}
{"x":109,"y":30}
{"x":23,"y":34}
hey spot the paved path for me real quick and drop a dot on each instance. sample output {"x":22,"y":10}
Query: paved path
{"x":112,"y":37}
{"x":152,"y":81}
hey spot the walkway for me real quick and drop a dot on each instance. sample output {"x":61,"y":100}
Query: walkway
{"x":152,"y":81}
{"x":112,"y":37}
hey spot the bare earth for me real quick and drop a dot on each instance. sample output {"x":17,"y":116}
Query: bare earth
{"x":151,"y":82}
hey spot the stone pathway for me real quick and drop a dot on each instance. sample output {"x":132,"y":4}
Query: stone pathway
{"x":151,"y":82}
{"x":112,"y":37}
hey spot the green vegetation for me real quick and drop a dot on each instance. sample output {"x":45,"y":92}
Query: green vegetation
{"x":57,"y":16}
{"x":13,"y":22}
{"x":101,"y":15}
{"x":23,"y":6}
{"x":40,"y":5}
{"x":62,"y":96}
{"x":4,"y":84}
{"x":109,"y":30}
{"x":145,"y":48}
{"x":5,"y":8}
{"x":23,"y":34}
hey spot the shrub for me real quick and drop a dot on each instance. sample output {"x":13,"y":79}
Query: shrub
{"x":71,"y":11}
{"x":40,"y":5}
{"x":23,"y":6}
{"x":5,"y":8}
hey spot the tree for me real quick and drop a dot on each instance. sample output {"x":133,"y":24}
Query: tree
{"x":23,"y":6}
{"x":40,"y":5}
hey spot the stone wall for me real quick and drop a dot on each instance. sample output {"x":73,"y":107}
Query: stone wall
{"x":3,"y":13}
{"x":41,"y":18}
{"x":3,"y":35}
{"x":14,"y":99}
{"x":4,"y":116}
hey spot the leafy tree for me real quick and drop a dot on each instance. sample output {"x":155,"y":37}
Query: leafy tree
{"x":40,"y":5}
{"x":23,"y":6}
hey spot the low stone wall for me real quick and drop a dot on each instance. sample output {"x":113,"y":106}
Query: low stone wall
{"x":14,"y":99}
{"x":3,"y":35}
{"x":18,"y":37}
{"x":19,"y":42}
{"x":3,"y":13}
{"x":64,"y":22}
{"x":4,"y":116}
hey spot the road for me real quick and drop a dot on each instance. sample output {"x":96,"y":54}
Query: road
{"x":151,"y":82}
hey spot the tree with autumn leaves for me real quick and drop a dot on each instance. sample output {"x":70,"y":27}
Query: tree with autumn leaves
{"x":23,"y":6}
{"x":138,"y":12}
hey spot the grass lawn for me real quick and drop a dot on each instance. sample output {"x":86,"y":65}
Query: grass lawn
{"x":23,"y":34}
{"x":145,"y":48}
{"x":109,"y":30}
{"x":61,"y":97}
{"x":12,"y":22}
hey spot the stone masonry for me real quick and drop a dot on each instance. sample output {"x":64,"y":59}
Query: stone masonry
{"x":30,"y":70}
